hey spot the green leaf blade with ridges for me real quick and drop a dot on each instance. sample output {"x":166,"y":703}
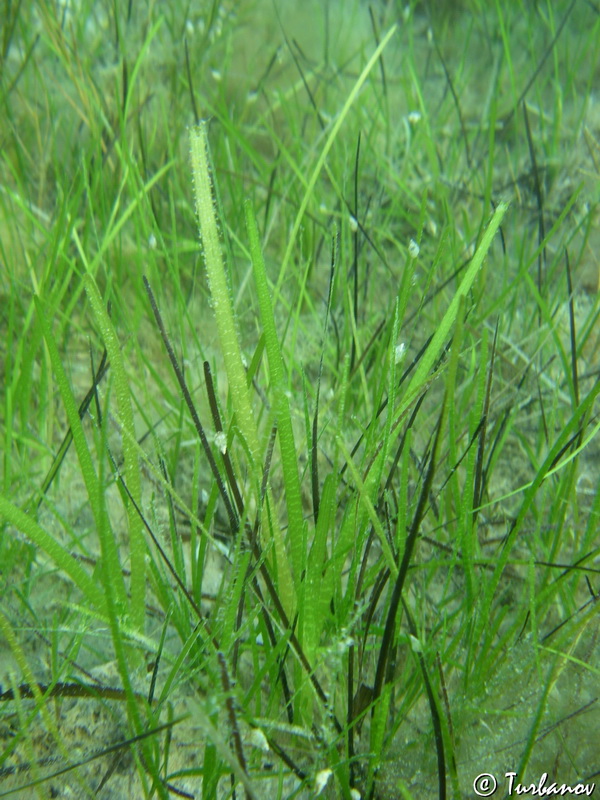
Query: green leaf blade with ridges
{"x":289,"y":456}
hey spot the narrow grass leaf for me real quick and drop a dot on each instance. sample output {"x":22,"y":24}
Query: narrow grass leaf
{"x":443,"y":329}
{"x":8,"y":634}
{"x":228,"y":337}
{"x":364,"y":489}
{"x":91,"y":480}
{"x":137,"y":545}
{"x":289,"y":455}
{"x":546,"y":469}
{"x":220,"y":293}
{"x":324,"y":153}
{"x":61,"y":557}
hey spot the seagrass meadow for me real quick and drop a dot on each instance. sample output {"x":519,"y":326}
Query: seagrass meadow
{"x":299,"y":345}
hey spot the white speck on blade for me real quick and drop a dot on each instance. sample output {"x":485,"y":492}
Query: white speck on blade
{"x":259,"y":740}
{"x":321,"y":779}
{"x":399,"y":353}
{"x":221,"y":441}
